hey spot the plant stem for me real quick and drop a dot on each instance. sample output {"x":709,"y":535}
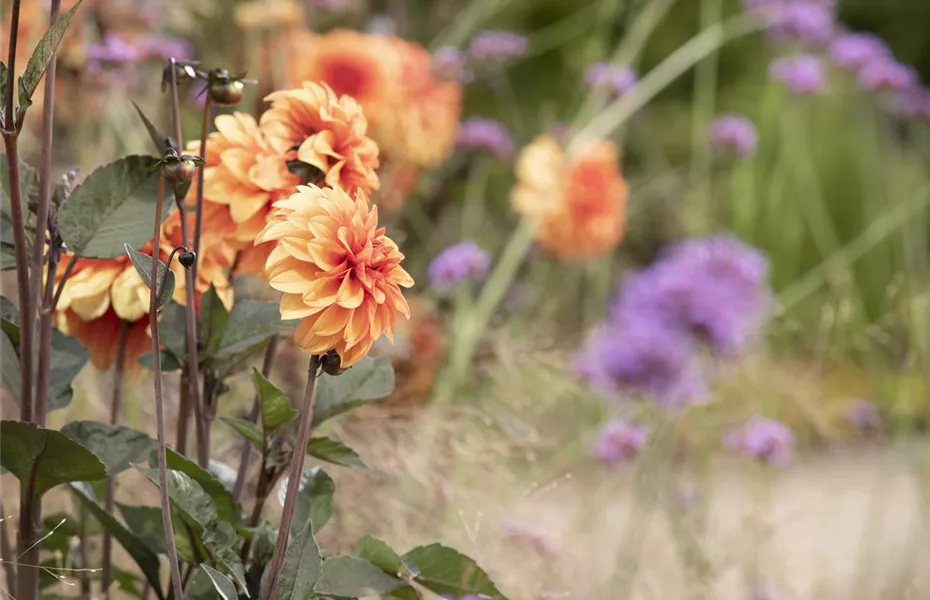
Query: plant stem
{"x":11,"y":66}
{"x":64,"y":279}
{"x":27,"y":553}
{"x":261,"y":496}
{"x":293,"y":482}
{"x":6,"y":552}
{"x":198,"y":222}
{"x":115,"y":401}
{"x":184,"y":414}
{"x":41,"y":228}
{"x":159,"y":404}
{"x":245,"y":455}
{"x":82,"y":552}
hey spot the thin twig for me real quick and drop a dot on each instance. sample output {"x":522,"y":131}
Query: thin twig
{"x":198,"y":222}
{"x":116,"y":401}
{"x":41,"y":229}
{"x":61,"y":284}
{"x":159,"y":404}
{"x":6,"y":552}
{"x":182,"y":427}
{"x":84,"y":575}
{"x":293,"y":482}
{"x":246,"y":453}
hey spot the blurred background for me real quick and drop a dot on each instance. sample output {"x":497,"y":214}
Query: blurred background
{"x":800,"y":472}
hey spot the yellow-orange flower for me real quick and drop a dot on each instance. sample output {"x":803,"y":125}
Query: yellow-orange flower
{"x":216,"y":256}
{"x":337,"y":270}
{"x":580,"y":200}
{"x":101,"y":337}
{"x":326,"y":131}
{"x":412,"y":116}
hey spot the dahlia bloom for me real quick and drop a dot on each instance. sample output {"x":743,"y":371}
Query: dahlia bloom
{"x":618,"y":441}
{"x":802,"y":74}
{"x":580,"y":200}
{"x":765,"y":439}
{"x":338,"y":272}
{"x":216,"y":257}
{"x":735,"y":134}
{"x":458,"y":264}
{"x":485,"y":134}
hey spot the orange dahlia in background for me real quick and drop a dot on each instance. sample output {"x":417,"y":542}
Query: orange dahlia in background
{"x":580,"y":200}
{"x":216,"y":256}
{"x":338,"y":272}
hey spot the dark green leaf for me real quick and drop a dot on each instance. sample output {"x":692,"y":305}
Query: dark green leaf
{"x":213,"y":318}
{"x":247,"y":429}
{"x":447,"y":571}
{"x":354,"y":577}
{"x":379,"y":554}
{"x":143,"y":264}
{"x":28,"y":186}
{"x":41,"y":56}
{"x":221,"y":541}
{"x":168,"y":362}
{"x":4,"y":80}
{"x":251,"y":322}
{"x":188,"y":498}
{"x":9,"y":319}
{"x":126,"y":582}
{"x":118,"y":447}
{"x":172,"y":330}
{"x":7,"y":251}
{"x":60,"y":530}
{"x":45,"y":457}
{"x":223,"y":585}
{"x":145,"y":522}
{"x":158,"y":138}
{"x":140,"y":552}
{"x":226,"y":508}
{"x":114,"y":206}
{"x":276,"y":406}
{"x":314,"y":500}
{"x":301,"y":569}
{"x":334,"y":451}
{"x":370,"y":379}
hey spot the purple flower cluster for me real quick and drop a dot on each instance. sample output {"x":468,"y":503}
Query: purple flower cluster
{"x":803,"y":21}
{"x":735,"y":134}
{"x":450,"y":64}
{"x":497,"y":45}
{"x":458,"y":264}
{"x":618,"y":441}
{"x":485,"y":134}
{"x":619,"y":79}
{"x":112,"y":49}
{"x":711,"y":290}
{"x":765,"y":439}
{"x":802,"y":74}
{"x":855,"y":50}
{"x":886,"y":74}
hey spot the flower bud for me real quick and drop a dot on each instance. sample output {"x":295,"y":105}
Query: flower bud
{"x":331,"y":363}
{"x":187,"y":259}
{"x":226,"y":93}
{"x":180,"y":171}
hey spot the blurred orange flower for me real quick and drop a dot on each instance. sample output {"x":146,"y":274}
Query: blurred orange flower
{"x":101,"y":337}
{"x":216,"y":256}
{"x":580,"y":200}
{"x":414,"y":122}
{"x":337,"y":270}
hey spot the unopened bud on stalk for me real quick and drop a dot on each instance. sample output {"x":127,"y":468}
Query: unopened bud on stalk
{"x":178,"y":168}
{"x":223,"y":88}
{"x":187,"y":259}
{"x":331,"y":363}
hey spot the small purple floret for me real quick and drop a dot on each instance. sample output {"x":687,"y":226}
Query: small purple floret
{"x":458,"y":264}
{"x":802,"y":74}
{"x":734,"y":133}
{"x":619,"y":79}
{"x":485,"y":134}
{"x":618,"y":441}
{"x":886,"y":74}
{"x":804,"y":21}
{"x":497,"y":45}
{"x":855,"y":50}
{"x":765,"y":439}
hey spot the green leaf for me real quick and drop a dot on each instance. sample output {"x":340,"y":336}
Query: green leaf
{"x":41,"y":56}
{"x":158,"y":138}
{"x":7,"y":252}
{"x":188,"y":498}
{"x":276,"y":406}
{"x":118,"y":447}
{"x":353,"y":577}
{"x":113,"y":207}
{"x":4,"y":80}
{"x":28,"y":187}
{"x":140,"y":552}
{"x":314,"y":499}
{"x":247,"y":429}
{"x":251,"y":322}
{"x":9,"y":319}
{"x":380,"y":554}
{"x":143,"y":264}
{"x":173,"y":330}
{"x":221,"y":541}
{"x":213,"y":318}
{"x":226,"y":507}
{"x":447,"y":571}
{"x":145,"y":523}
{"x":334,"y":451}
{"x":370,"y":379}
{"x":301,"y":569}
{"x":169,"y":363}
{"x":223,"y":585}
{"x":45,"y":457}
{"x":126,"y":581}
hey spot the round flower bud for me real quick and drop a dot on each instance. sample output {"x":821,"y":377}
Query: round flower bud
{"x":180,"y":170}
{"x":226,"y":92}
{"x":187,"y":259}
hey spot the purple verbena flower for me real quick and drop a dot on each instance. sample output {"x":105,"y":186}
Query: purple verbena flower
{"x":618,"y":441}
{"x":485,"y":134}
{"x":164,"y":48}
{"x":803,"y":21}
{"x":864,"y":415}
{"x":802,"y":74}
{"x":449,"y":65}
{"x":913,"y":103}
{"x":458,"y":264}
{"x":760,"y":6}
{"x":855,"y":50}
{"x":713,"y":288}
{"x":112,"y":49}
{"x":765,"y":439}
{"x":497,"y":45}
{"x":619,"y":79}
{"x":734,"y":133}
{"x":886,"y":74}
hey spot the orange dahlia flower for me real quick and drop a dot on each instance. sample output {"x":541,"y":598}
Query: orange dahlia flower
{"x":101,"y":337}
{"x":216,"y":256}
{"x":337,"y":270}
{"x":412,"y":116}
{"x":580,"y":200}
